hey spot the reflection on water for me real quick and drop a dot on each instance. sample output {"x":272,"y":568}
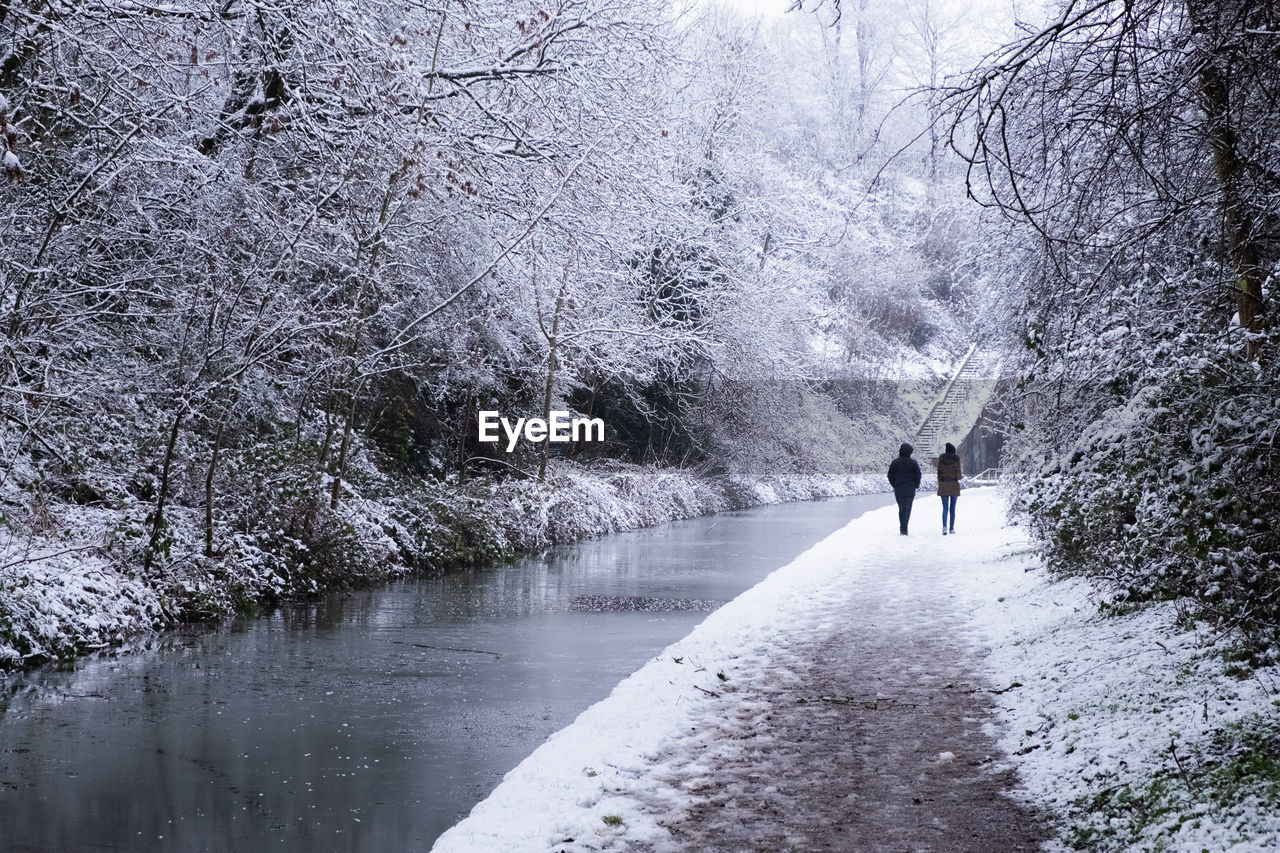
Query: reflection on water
{"x":367,"y":721}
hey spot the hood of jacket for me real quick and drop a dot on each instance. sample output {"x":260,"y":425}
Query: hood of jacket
{"x":905,"y":449}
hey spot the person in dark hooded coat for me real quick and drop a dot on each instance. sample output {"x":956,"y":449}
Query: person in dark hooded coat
{"x":949,"y":476}
{"x":904,"y":476}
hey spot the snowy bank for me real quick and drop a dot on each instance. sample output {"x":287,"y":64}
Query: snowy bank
{"x":1091,"y":704}
{"x":1136,"y":729}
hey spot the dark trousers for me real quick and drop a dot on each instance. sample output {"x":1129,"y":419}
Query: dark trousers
{"x":904,"y":508}
{"x":949,"y":510}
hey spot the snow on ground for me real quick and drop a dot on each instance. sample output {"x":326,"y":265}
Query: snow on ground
{"x":1091,"y":702}
{"x":1136,"y":729}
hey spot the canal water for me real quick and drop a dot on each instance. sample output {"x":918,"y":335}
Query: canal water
{"x":369,"y":721}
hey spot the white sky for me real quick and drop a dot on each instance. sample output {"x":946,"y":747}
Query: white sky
{"x":995,"y":16}
{"x":763,"y":8}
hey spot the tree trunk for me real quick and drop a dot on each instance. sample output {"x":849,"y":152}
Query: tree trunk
{"x":208,"y":489}
{"x":340,"y":464}
{"x":552,"y":341}
{"x":862,"y":29}
{"x":1239,"y":220}
{"x":157,"y":518}
{"x":462,"y":439}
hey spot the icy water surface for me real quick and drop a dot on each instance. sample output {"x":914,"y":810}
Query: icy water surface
{"x":370,"y":721}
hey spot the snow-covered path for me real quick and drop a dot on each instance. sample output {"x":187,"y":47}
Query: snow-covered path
{"x":838,"y":739}
{"x":837,"y":705}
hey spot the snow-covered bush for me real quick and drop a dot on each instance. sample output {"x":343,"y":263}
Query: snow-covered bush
{"x":434,"y":527}
{"x":577,"y":502}
{"x":58,"y":603}
{"x":1175,"y":490}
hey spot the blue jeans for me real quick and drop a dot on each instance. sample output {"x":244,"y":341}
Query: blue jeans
{"x":949,"y":511}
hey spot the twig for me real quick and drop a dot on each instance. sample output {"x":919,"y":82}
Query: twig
{"x":28,"y":558}
{"x":495,"y":655}
{"x":1074,"y":676}
{"x":1270,"y":691}
{"x":1173,"y":750}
